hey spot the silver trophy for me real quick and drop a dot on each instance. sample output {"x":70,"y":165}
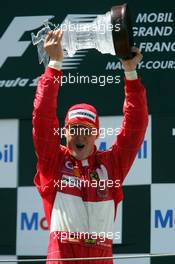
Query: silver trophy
{"x":109,"y":33}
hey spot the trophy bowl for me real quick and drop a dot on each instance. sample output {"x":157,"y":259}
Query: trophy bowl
{"x":110,"y":33}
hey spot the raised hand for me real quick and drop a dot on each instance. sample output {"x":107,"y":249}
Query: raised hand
{"x":52,"y":45}
{"x":131,"y":64}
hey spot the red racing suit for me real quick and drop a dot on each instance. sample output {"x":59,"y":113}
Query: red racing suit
{"x":78,"y":214}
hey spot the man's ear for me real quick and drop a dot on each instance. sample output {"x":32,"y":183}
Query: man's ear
{"x":95,"y":132}
{"x":97,"y":136}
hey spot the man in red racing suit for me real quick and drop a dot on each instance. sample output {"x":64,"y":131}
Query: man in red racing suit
{"x":80,"y":216}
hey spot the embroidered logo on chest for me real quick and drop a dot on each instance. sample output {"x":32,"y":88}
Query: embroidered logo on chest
{"x":70,"y":181}
{"x":67,"y":167}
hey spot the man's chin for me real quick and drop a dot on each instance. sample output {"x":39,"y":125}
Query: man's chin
{"x":78,"y":155}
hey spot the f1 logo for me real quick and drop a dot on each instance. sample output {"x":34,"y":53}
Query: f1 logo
{"x":10,"y":44}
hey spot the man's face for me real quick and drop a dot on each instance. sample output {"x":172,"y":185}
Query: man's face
{"x":80,"y":141}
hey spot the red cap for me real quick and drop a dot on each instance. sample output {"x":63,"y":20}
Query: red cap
{"x":83,"y":114}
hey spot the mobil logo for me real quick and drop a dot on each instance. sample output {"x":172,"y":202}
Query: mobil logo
{"x":6,"y":153}
{"x":142,"y":152}
{"x":103,"y":146}
{"x":32,"y":221}
{"x":165,"y":219}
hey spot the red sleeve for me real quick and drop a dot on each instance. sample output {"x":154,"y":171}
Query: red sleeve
{"x":134,"y":124}
{"x":47,"y":145}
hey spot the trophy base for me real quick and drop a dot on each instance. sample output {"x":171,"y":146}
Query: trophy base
{"x":123,"y":39}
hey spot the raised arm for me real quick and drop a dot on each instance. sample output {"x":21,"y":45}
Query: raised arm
{"x":135,"y":118}
{"x":45,"y":120}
